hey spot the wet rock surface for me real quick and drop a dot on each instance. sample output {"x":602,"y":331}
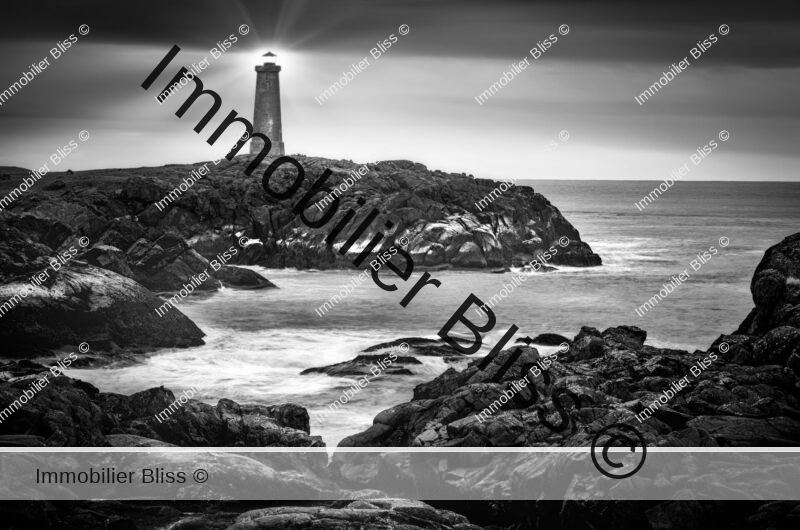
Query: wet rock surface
{"x":389,"y":358}
{"x":71,"y":412}
{"x":364,"y":364}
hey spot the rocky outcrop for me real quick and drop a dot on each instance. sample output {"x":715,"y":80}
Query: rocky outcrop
{"x":393,"y":358}
{"x":158,"y":259}
{"x":776,"y":290}
{"x":82,"y":303}
{"x":71,"y":412}
{"x":770,"y":334}
{"x":361,"y":365}
{"x":165,"y":263}
{"x":725,"y":404}
{"x":56,"y":288}
{"x":548,"y":339}
{"x":435,"y":211}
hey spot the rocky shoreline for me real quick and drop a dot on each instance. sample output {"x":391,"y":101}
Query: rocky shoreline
{"x":749,"y":397}
{"x":103,"y":294}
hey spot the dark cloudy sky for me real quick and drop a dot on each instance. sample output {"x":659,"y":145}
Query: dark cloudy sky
{"x":416,"y":101}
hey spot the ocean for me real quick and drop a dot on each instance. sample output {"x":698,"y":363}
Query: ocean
{"x":258,"y":342}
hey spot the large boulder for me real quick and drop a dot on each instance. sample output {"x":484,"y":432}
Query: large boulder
{"x":776,"y":289}
{"x":83,"y":303}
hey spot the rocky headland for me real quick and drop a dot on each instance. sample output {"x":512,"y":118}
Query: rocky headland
{"x":436,"y":211}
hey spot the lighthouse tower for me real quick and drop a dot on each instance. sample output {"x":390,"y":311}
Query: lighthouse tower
{"x":267,"y":114}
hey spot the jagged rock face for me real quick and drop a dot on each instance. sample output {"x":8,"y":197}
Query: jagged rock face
{"x":615,"y":376}
{"x":78,"y":302}
{"x":160,"y":261}
{"x":776,"y":289}
{"x":71,"y":412}
{"x":199,"y":424}
{"x":436,"y":211}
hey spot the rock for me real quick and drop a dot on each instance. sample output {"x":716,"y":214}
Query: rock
{"x":421,"y":347}
{"x":361,"y":365}
{"x":160,"y":261}
{"x":627,"y":337}
{"x":776,"y":346}
{"x":110,"y":258}
{"x":739,"y":348}
{"x":93,"y":305}
{"x":776,"y":289}
{"x":22,"y":440}
{"x":62,"y":413}
{"x":131,"y":440}
{"x":469,"y":256}
{"x":242,"y":278}
{"x":375,"y":513}
{"x":749,"y":432}
{"x":548,"y":339}
{"x":71,"y":412}
{"x":793,"y":363}
{"x":587,"y":344}
{"x":195,"y":423}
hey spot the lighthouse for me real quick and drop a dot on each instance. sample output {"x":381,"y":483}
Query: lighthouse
{"x":267,"y":112}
